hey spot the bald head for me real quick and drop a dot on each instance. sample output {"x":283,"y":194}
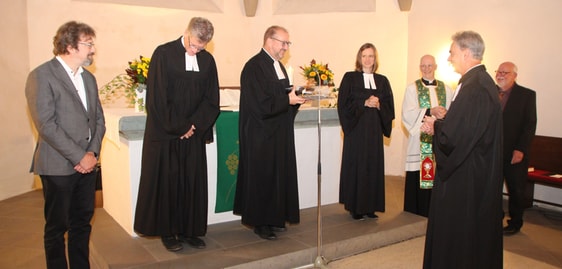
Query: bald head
{"x":506,"y":75}
{"x":427,"y":67}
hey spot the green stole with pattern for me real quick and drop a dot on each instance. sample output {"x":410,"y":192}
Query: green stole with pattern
{"x":427,"y":169}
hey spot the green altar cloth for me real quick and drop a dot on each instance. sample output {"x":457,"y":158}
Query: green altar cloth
{"x":227,"y":160}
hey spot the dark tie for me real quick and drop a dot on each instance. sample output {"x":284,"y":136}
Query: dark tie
{"x":502,"y":93}
{"x":433,"y":83}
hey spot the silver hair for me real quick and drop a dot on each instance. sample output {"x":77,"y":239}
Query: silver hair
{"x":201,"y":28}
{"x":472,"y":41}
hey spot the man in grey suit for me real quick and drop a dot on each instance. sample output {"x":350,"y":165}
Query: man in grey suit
{"x":65,"y":108}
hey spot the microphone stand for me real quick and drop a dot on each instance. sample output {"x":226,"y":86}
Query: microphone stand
{"x":320,"y":261}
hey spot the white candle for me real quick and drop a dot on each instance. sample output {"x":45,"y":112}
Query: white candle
{"x":290,"y":74}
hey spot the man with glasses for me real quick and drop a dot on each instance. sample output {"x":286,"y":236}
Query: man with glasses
{"x":519,"y":125}
{"x":182,"y":107}
{"x":266,"y":189}
{"x":65,"y":108}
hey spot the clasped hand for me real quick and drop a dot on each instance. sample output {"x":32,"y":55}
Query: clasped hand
{"x":87,"y":164}
{"x":427,"y":125}
{"x":373,"y":102}
{"x":439,"y":112}
{"x":189,"y":133}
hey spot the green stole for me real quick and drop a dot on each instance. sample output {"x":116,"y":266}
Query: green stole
{"x":427,"y":169}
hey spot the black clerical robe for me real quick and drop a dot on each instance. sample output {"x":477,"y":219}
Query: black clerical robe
{"x":362,"y":167}
{"x":172,"y":195}
{"x":465,"y":216}
{"x":266,"y":188}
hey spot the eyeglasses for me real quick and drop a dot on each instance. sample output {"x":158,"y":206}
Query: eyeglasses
{"x":426,"y":65}
{"x":285,"y":43}
{"x":87,"y":44}
{"x":195,"y":47}
{"x":502,"y":73}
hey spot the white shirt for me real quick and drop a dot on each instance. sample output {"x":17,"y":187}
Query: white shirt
{"x":76,"y":80}
{"x":78,"y":84}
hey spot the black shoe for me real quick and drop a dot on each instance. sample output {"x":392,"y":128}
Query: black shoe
{"x":265,"y":232}
{"x":372,"y":215}
{"x":357,"y":216}
{"x":510,"y":230}
{"x":193,"y":241}
{"x":171,"y":243}
{"x":278,"y":229}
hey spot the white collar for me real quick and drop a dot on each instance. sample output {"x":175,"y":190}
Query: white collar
{"x":369,"y":81}
{"x":190,"y":60}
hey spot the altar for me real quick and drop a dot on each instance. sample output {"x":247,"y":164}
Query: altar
{"x":121,"y":161}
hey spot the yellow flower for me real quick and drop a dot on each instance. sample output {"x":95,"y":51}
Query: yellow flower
{"x":138,"y":70}
{"x":321,"y":73}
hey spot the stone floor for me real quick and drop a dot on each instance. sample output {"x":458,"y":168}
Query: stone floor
{"x":537,"y":246}
{"x":346,"y":243}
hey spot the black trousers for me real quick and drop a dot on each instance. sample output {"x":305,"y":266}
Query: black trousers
{"x":515,"y":179}
{"x":69,"y":207}
{"x":416,"y":200}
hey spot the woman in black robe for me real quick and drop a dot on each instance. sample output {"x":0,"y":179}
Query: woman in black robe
{"x":182,"y":106}
{"x":366,"y":111}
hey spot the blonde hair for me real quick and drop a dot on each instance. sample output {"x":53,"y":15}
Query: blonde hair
{"x":359,"y":65}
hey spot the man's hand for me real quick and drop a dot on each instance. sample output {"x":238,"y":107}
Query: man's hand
{"x":87,"y":164}
{"x":189,"y":133}
{"x":294,"y":99}
{"x":427,"y":126}
{"x":439,"y":112}
{"x":517,"y":157}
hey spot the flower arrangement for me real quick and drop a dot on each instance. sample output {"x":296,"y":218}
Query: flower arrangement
{"x":138,"y":70}
{"x":131,"y":85}
{"x":318,"y":74}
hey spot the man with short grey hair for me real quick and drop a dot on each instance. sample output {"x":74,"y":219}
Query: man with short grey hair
{"x":464,"y":228}
{"x":182,"y":107}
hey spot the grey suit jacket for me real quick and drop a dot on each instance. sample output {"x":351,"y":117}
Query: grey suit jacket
{"x":66,"y":130}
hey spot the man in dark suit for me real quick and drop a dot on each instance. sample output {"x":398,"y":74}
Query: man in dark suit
{"x":65,"y":108}
{"x":266,"y":188}
{"x":464,"y":228}
{"x":519,"y":125}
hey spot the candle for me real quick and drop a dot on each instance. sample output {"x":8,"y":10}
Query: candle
{"x":290,"y":74}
